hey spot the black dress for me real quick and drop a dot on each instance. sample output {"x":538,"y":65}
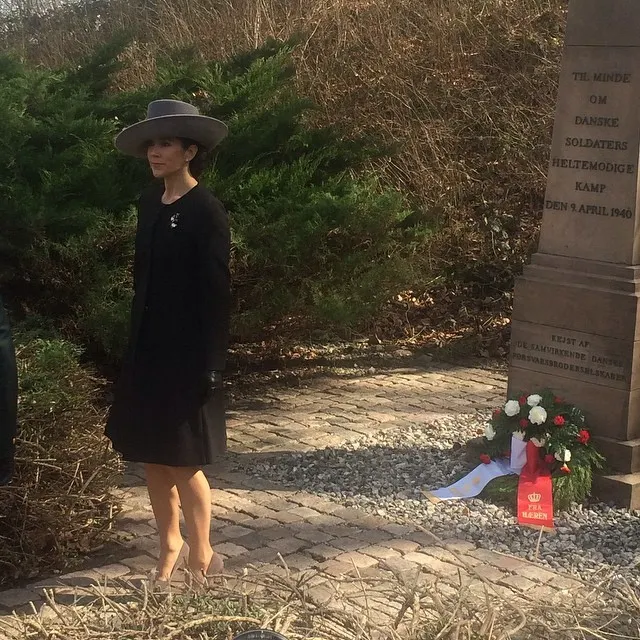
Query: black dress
{"x":164,"y":411}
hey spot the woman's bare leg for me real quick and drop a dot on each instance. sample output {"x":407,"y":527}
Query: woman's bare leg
{"x":195,"y":497}
{"x":165,"y":502}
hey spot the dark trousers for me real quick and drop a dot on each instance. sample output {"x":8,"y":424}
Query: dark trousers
{"x":8,"y":397}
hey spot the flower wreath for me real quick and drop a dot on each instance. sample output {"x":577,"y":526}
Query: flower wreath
{"x":559,"y":430}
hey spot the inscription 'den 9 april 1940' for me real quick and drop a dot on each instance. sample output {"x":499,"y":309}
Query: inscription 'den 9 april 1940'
{"x":582,"y":140}
{"x":566,"y":355}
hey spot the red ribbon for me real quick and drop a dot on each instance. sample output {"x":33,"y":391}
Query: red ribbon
{"x":535,"y":494}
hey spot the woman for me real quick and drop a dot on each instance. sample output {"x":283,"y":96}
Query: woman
{"x":169,"y":407}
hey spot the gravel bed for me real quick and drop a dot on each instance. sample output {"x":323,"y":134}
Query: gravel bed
{"x":386,"y":472}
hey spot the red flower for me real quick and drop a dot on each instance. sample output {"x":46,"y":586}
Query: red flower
{"x":484,"y":458}
{"x":496,"y":412}
{"x":549,"y":458}
{"x":565,"y":469}
{"x":524,"y":423}
{"x":584,"y":436}
{"x":558,"y":400}
{"x":523,"y":400}
{"x":559,"y":421}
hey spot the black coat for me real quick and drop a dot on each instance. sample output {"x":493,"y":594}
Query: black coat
{"x":164,"y":411}
{"x":8,"y":392}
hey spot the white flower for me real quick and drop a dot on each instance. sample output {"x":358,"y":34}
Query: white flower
{"x":537,"y":415}
{"x":565,"y":456}
{"x":519,"y":435}
{"x":534,"y":400}
{"x":489,"y":432}
{"x":512,"y":408}
{"x":538,"y":443}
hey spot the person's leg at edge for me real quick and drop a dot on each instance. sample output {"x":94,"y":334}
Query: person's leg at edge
{"x":165,"y":502}
{"x":195,"y":497}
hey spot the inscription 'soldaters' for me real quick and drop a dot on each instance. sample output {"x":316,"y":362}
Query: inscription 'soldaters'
{"x":593,"y":143}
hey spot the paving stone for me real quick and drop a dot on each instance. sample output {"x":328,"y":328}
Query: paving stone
{"x":230,"y":550}
{"x":461,"y":546}
{"x":492,"y":574}
{"x":314,"y":536}
{"x":262,"y":523}
{"x":537,"y":574}
{"x":12,"y":598}
{"x":287,"y":545}
{"x":326,"y":520}
{"x":252,"y":541}
{"x":517,"y":582}
{"x":263,"y":554}
{"x":80,"y":578}
{"x":10,"y":628}
{"x":373,"y":536}
{"x":276,"y":533}
{"x":499,"y":560}
{"x":403,"y":546}
{"x":320,"y":594}
{"x":111,"y":571}
{"x":398,"y":530}
{"x":139,"y":529}
{"x":444,"y":555}
{"x":299,"y":562}
{"x":341,"y":530}
{"x":335,"y":568}
{"x":324,"y":552}
{"x":304,"y":512}
{"x":258,"y":511}
{"x":358,"y":559}
{"x":286,"y":517}
{"x":380,"y":553}
{"x":146,"y":544}
{"x":430,"y":563}
{"x":399,"y":566}
{"x":234,"y":531}
{"x":142,"y":564}
{"x":348,"y":544}
{"x":234,"y":517}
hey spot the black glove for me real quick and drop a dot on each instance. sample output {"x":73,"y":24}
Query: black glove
{"x":214,"y":381}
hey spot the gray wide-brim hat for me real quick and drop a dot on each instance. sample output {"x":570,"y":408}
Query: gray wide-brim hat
{"x":170,"y":119}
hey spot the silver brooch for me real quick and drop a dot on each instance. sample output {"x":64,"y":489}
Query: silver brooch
{"x":174,"y":220}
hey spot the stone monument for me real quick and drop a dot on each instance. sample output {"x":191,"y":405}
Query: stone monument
{"x":576,"y":314}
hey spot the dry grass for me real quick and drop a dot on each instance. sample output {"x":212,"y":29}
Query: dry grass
{"x":59,"y":506}
{"x":367,"y":606}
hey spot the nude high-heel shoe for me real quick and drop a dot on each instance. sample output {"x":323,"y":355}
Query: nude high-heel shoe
{"x":202,"y":580}
{"x":157,"y":585}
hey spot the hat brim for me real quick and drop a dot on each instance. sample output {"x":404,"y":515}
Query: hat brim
{"x":204,"y":130}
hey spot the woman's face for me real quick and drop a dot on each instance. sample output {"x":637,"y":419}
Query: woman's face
{"x":167,"y":156}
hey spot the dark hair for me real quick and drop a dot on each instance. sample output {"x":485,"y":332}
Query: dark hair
{"x":200,"y":160}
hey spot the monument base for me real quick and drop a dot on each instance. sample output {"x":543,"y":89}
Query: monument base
{"x":575,"y":330}
{"x":622,"y":490}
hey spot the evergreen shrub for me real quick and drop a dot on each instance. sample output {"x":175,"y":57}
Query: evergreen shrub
{"x":316,"y":238}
